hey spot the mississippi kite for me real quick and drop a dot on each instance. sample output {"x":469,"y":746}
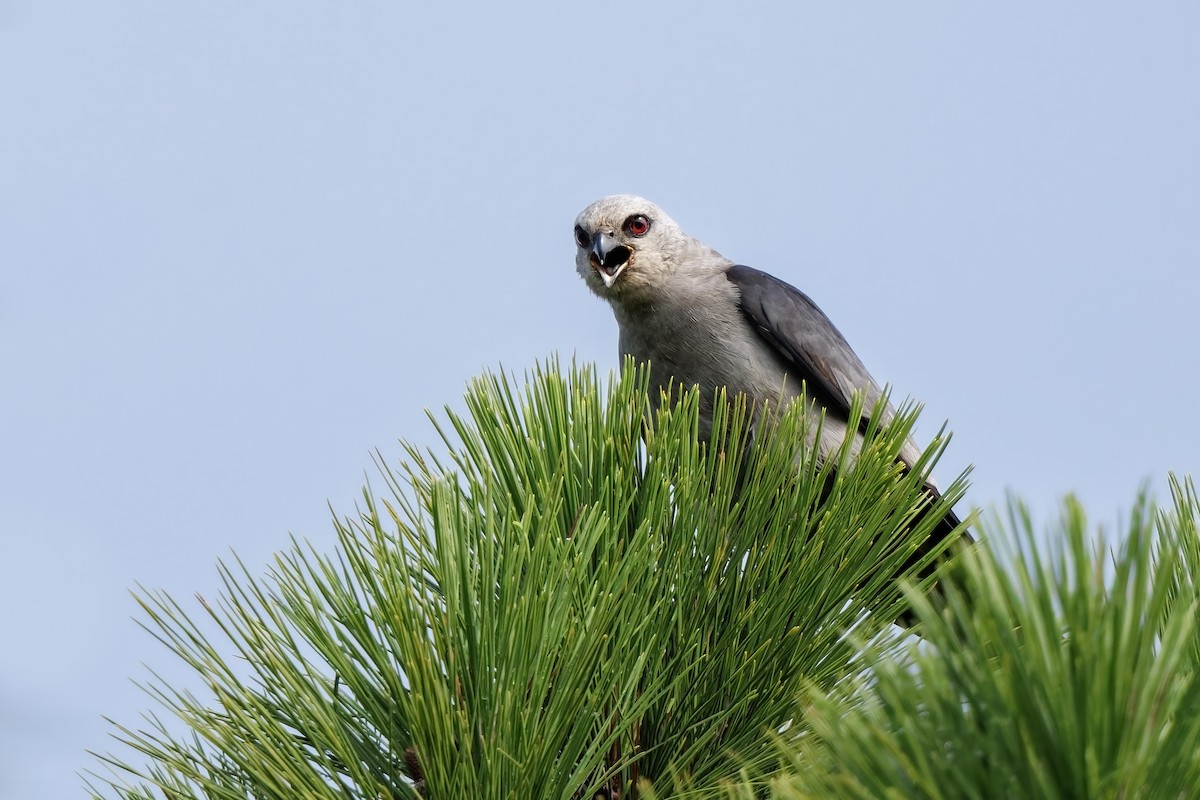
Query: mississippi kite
{"x":699,"y":319}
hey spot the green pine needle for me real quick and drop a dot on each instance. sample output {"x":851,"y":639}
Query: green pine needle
{"x":568,"y":596}
{"x":1067,"y":676}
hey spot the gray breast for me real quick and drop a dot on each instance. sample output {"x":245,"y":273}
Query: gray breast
{"x":697,"y":336}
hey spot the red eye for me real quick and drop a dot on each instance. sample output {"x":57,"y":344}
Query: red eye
{"x":637,"y":225}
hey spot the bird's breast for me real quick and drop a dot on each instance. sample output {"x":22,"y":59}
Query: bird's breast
{"x":709,"y":345}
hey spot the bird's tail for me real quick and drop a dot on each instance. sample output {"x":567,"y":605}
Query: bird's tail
{"x":950,"y":525}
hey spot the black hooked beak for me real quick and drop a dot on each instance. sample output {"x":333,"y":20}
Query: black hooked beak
{"x":608,"y":258}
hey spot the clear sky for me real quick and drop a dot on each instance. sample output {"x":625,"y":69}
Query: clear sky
{"x":242,"y":245}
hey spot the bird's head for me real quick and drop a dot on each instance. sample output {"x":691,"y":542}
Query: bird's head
{"x":625,"y":244}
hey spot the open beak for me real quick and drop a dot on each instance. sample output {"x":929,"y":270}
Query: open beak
{"x":608,"y":258}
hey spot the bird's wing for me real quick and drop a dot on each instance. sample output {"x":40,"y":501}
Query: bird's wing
{"x":806,"y":339}
{"x":801,"y":333}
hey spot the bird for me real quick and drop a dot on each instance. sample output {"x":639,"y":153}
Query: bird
{"x":699,"y":319}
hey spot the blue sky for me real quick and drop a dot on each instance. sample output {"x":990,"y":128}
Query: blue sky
{"x":244,"y":245}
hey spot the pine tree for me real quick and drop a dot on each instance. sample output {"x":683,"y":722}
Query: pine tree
{"x":572,"y":598}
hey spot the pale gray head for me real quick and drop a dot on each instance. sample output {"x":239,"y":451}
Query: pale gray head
{"x":626,"y":245}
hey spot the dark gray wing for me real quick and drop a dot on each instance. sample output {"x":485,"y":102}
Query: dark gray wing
{"x":801,"y":333}
{"x":809,"y":342}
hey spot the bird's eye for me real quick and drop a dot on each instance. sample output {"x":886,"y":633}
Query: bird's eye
{"x":637,"y":225}
{"x":581,"y":237}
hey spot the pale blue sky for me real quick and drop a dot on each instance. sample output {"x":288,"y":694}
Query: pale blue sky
{"x":244,"y":244}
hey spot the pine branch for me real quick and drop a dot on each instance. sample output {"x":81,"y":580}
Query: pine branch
{"x":574,"y":600}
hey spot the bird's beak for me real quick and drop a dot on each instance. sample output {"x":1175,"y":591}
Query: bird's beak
{"x":608,"y":258}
